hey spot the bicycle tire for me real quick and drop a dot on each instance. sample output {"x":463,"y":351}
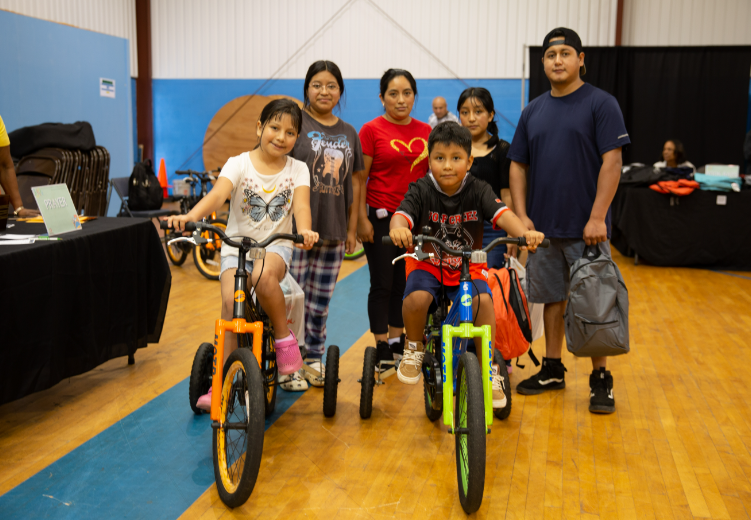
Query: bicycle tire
{"x":200,"y":375}
{"x":331,"y":381}
{"x":177,"y":253}
{"x":428,"y":386}
{"x":269,"y":371}
{"x":503,"y":413}
{"x":367,"y":383}
{"x":237,"y":456}
{"x":469,"y":416}
{"x":207,"y":257}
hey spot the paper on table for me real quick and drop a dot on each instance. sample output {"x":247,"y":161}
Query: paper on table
{"x":16,"y":242}
{"x":16,"y":237}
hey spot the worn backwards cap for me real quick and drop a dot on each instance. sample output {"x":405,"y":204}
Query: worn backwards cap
{"x":570,"y":38}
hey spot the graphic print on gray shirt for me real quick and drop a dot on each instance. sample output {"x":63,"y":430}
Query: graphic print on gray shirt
{"x":332,"y":154}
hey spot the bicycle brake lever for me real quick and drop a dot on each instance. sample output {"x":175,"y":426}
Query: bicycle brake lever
{"x":417,"y":256}
{"x":182,"y":239}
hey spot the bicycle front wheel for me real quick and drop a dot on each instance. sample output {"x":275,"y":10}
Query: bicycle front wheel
{"x":208,"y":256}
{"x":469,"y":433}
{"x":238,"y":441}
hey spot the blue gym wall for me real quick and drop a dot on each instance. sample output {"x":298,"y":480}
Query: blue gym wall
{"x":184,"y":108}
{"x":50,"y":73}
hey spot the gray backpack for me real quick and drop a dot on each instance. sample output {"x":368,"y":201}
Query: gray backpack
{"x":597,"y":311}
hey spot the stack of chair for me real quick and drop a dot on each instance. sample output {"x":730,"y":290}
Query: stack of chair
{"x":85,"y":173}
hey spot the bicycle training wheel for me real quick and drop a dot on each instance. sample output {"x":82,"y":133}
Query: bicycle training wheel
{"x":238,"y":442}
{"x":176,"y":252}
{"x":358,"y":252}
{"x":208,"y":256}
{"x":469,"y":417}
{"x":331,"y":381}
{"x":200,"y":375}
{"x":367,"y":383}
{"x":503,"y":413}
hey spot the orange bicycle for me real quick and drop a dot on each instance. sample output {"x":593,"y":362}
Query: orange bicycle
{"x":244,"y":393}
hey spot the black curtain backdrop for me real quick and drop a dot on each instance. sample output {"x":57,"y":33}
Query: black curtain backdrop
{"x":698,"y":95}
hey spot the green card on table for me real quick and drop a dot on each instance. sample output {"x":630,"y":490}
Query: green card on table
{"x":57,"y":208}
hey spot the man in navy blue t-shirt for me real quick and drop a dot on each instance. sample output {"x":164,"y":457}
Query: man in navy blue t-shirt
{"x":566,"y":164}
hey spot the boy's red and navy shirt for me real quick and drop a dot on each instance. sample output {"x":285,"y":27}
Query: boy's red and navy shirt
{"x":457,"y":220}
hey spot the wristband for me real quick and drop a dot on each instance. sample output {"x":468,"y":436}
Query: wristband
{"x":18,"y":210}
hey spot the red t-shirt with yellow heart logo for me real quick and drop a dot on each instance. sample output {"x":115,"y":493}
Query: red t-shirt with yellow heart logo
{"x":400,"y":156}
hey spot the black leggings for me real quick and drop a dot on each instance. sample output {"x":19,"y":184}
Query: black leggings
{"x":387,"y":281}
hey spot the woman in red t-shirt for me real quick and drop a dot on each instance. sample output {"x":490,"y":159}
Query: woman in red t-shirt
{"x":395,"y":152}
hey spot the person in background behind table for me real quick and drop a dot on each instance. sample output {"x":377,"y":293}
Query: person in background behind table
{"x":673,"y":156}
{"x":331,"y":149}
{"x":395,"y":146}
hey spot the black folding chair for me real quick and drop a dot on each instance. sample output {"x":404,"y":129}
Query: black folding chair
{"x":121,"y":187}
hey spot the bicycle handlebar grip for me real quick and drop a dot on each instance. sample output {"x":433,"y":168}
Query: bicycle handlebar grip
{"x":299,"y":239}
{"x":387,"y":241}
{"x":163,"y":224}
{"x":182,"y":172}
{"x":545,"y":243}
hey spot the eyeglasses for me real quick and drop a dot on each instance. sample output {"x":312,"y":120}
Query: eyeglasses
{"x":331,"y":87}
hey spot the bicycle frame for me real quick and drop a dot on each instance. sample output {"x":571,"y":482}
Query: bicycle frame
{"x":238,"y":325}
{"x":459,"y":325}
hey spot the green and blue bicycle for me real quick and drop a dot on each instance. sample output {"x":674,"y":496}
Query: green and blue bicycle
{"x":469,"y":415}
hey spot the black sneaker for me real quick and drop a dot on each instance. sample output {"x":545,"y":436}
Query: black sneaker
{"x":601,"y":398}
{"x":397,"y":349}
{"x":383,"y":350}
{"x":550,"y":377}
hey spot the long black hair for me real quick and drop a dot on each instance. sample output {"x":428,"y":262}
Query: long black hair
{"x":276,"y":109}
{"x":395,"y":73}
{"x":679,"y":152}
{"x":315,"y":68}
{"x":482,"y":96}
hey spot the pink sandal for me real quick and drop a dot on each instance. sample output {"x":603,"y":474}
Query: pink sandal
{"x":204,"y":402}
{"x":288,"y":358}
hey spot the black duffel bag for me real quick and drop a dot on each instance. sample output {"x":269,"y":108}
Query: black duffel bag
{"x":144,"y":191}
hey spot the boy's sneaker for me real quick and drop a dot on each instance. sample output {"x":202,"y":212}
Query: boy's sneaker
{"x":550,"y":377}
{"x":397,"y":349}
{"x":383,"y":350}
{"x":601,"y":398}
{"x":499,"y":397}
{"x":410,"y":367}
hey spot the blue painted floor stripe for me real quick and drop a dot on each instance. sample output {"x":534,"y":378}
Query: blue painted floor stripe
{"x":157,"y":461}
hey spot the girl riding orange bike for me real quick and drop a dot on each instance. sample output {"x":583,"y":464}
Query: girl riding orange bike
{"x":266,"y":188}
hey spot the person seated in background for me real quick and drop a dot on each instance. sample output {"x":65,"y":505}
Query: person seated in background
{"x":673,"y":156}
{"x":8,"y":177}
{"x":440,"y":113}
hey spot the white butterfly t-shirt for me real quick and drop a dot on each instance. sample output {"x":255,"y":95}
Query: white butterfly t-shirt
{"x":261,"y":205}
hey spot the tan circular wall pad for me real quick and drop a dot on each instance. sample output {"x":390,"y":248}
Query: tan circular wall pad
{"x":239,"y":134}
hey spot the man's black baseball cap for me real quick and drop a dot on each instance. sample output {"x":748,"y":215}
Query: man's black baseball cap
{"x":570,"y":38}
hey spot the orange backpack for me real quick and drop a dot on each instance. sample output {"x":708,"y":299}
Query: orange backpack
{"x":513,"y":332}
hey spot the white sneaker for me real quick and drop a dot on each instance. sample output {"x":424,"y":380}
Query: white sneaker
{"x":293,"y":382}
{"x":313,"y":380}
{"x":499,"y":396}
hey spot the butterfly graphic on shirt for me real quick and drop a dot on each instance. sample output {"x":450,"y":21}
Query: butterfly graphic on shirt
{"x":259,"y":208}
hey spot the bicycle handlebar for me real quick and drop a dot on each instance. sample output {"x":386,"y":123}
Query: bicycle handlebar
{"x":521,"y":241}
{"x":202,"y":226}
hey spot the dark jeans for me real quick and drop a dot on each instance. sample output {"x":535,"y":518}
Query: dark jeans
{"x":387,"y":281}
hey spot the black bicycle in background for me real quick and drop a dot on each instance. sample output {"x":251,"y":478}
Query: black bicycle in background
{"x":207,"y":256}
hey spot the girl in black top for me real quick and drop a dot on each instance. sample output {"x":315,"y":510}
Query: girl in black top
{"x":477,"y":113}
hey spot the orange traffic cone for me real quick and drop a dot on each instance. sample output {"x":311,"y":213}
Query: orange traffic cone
{"x":163,"y":178}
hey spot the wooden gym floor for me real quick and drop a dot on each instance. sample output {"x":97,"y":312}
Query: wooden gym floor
{"x":679,"y":445}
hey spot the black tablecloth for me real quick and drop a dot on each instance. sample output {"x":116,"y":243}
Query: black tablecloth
{"x":68,"y":306}
{"x":693,"y":232}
